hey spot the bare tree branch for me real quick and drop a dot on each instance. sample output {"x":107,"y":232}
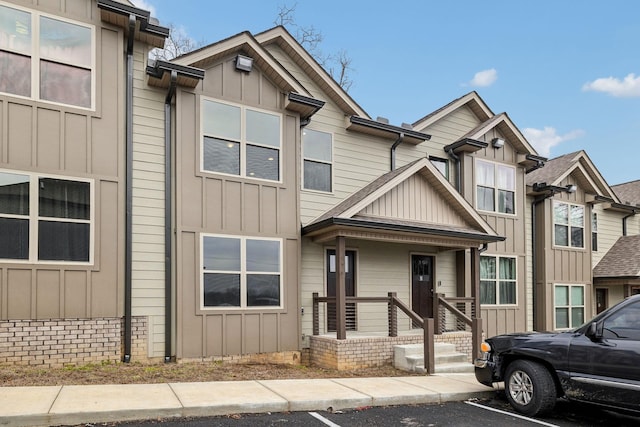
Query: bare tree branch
{"x":177,"y":43}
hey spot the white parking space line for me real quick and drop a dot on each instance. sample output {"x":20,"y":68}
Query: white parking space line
{"x":511,"y":414}
{"x":323,"y":419}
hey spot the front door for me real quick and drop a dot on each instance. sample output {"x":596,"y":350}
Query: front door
{"x":350,"y":287}
{"x":422,"y":285}
{"x":602,"y":300}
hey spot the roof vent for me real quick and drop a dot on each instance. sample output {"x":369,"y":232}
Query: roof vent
{"x":382,"y":120}
{"x":406,"y":126}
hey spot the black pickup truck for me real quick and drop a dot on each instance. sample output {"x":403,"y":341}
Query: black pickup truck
{"x":597,"y":363}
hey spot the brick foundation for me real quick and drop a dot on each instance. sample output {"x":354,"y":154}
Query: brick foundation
{"x":358,"y":353}
{"x":60,"y":342}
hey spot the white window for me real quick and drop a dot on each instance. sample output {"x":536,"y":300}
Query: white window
{"x":46,"y":58}
{"x":45,"y":218}
{"x":441,"y":164}
{"x":241,"y":272}
{"x":569,"y":306}
{"x":238,"y":140}
{"x":495,"y":187}
{"x":317,"y":151}
{"x":497,"y":280}
{"x":568,"y":224}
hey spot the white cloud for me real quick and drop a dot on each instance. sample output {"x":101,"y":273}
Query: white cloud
{"x":626,"y":88}
{"x":544,"y":139}
{"x":145,"y":5}
{"x":484,"y":78}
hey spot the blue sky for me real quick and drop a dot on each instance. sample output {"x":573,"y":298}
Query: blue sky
{"x":566,"y":72}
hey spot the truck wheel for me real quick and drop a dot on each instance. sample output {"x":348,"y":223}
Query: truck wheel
{"x":529,"y":387}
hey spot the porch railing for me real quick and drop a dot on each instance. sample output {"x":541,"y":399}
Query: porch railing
{"x":449,"y":314}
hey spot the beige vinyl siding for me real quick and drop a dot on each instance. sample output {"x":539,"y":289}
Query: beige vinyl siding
{"x":528,"y":224}
{"x":148,"y":205}
{"x":609,"y":231}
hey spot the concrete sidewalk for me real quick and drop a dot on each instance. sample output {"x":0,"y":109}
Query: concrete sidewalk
{"x":69,"y":405}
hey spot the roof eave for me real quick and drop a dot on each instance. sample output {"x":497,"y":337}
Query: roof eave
{"x":376,"y":128}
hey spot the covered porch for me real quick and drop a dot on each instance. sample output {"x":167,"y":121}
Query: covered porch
{"x":412,"y":210}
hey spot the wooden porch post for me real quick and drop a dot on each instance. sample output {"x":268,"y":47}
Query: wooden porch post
{"x":475,"y":281}
{"x":476,"y":329}
{"x":341,"y":290}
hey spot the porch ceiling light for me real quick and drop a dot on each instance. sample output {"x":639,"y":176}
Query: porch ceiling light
{"x":244,"y":63}
{"x":497,"y":142}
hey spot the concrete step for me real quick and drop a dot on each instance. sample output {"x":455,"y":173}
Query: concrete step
{"x":410,"y":357}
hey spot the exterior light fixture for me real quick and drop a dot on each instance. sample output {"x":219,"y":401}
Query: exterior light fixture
{"x":244,"y":63}
{"x":571,"y":188}
{"x":497,"y":142}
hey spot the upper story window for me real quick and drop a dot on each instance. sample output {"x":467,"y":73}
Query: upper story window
{"x":568,"y":224}
{"x":46,"y":58}
{"x":497,"y":280}
{"x":594,"y":231}
{"x":441,"y":164}
{"x":241,"y":272}
{"x":45,"y":218}
{"x":238,"y":140}
{"x":496,"y":187}
{"x":317,"y":151}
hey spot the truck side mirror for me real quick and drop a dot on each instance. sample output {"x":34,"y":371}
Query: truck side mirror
{"x":593,"y":331}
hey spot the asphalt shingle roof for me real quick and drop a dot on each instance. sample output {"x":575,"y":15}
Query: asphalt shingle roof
{"x":628,"y":193}
{"x":622,"y":260}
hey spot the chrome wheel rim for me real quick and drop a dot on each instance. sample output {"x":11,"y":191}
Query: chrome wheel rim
{"x":521,"y":388}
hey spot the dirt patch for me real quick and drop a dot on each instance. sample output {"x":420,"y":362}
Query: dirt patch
{"x":133,"y":373}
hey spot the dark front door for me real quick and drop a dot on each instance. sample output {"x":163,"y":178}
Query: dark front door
{"x":350,"y":287}
{"x":422,"y":285}
{"x":602,"y":300}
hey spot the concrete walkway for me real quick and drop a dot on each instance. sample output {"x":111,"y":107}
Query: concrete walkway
{"x":69,"y":405}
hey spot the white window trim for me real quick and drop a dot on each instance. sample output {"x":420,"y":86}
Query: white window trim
{"x":243,"y":273}
{"x":331,"y":163}
{"x":584,"y":305}
{"x":497,"y":280}
{"x":34,"y":218}
{"x":496,"y":188}
{"x":35,"y":56}
{"x":243,"y":140}
{"x":568,"y":225}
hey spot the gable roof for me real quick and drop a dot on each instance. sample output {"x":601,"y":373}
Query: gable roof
{"x":628,"y":193}
{"x":504,"y":124}
{"x":350,"y":213}
{"x":577,"y":164}
{"x":282,"y":38}
{"x":246,"y":44}
{"x":622,"y":260}
{"x":471,"y":100}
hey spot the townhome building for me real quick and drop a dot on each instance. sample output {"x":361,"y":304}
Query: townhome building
{"x":235,"y":203}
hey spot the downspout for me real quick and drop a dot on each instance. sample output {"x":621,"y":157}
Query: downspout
{"x":128,"y":192}
{"x":624,"y":222}
{"x":393,"y":150}
{"x":168,"y":224}
{"x":456,"y":160}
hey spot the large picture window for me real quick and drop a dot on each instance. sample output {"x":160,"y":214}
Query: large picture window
{"x":569,"y":306}
{"x":568,"y":225}
{"x":241,"y":272}
{"x":45,"y":218}
{"x":237,"y":140}
{"x":497,"y":280}
{"x":495,"y":187}
{"x":317,"y":150}
{"x":55,"y":54}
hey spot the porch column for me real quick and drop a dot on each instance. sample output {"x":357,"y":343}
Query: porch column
{"x":341,"y":290}
{"x":475,"y":280}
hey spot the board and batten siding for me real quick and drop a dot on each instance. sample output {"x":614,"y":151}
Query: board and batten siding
{"x":210,"y":203}
{"x":148,"y":213}
{"x":41,"y":137}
